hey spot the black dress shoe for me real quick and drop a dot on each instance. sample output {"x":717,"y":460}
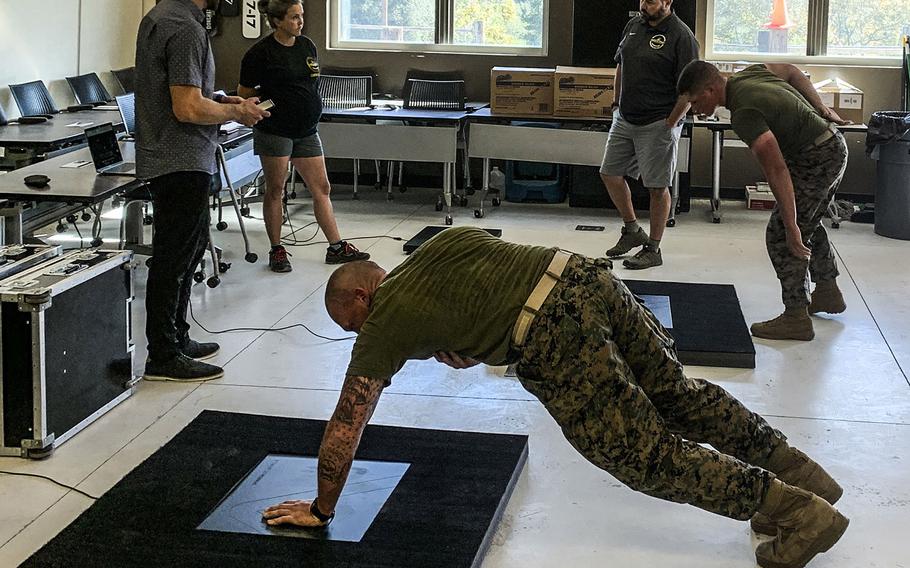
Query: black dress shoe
{"x":181,"y":369}
{"x":200,"y":351}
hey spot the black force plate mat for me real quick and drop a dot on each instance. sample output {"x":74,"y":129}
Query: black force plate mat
{"x":708,"y":323}
{"x":442,"y":513}
{"x":428,"y":233}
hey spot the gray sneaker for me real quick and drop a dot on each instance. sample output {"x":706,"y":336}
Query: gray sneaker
{"x":628,"y":241}
{"x":645,"y":258}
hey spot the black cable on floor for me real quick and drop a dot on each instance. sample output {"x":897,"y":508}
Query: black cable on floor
{"x":285,"y":328}
{"x":309,"y":244}
{"x":92,"y":497}
{"x":79,"y":233}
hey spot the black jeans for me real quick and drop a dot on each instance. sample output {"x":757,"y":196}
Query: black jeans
{"x":181,"y":222}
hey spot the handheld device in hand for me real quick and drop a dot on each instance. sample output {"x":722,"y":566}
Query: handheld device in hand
{"x":265,"y":105}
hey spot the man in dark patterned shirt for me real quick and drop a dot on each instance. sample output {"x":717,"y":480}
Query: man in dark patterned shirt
{"x":177,"y":122}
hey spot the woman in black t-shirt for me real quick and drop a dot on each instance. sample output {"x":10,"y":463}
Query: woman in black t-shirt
{"x":284,"y":67}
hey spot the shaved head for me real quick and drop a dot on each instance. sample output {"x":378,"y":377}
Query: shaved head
{"x":349,"y":292}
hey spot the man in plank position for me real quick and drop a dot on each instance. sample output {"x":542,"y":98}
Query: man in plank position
{"x":600,"y":363}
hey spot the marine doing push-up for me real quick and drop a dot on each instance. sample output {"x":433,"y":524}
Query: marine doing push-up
{"x":600,"y":363}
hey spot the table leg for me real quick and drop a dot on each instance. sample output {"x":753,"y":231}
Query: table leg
{"x":674,"y":200}
{"x":716,"y":149}
{"x":447,"y":175}
{"x":479,"y":212}
{"x":356,"y":177}
{"x":388,"y":194}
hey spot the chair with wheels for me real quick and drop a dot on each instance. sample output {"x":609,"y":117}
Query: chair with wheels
{"x":347,"y":92}
{"x":429,"y":94}
{"x":462,"y":141}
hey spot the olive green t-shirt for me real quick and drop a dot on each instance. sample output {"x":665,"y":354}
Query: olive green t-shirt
{"x":760,"y":101}
{"x":461,"y":291}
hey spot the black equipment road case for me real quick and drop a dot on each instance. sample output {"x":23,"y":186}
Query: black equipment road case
{"x":16,"y":258}
{"x":66,"y":348}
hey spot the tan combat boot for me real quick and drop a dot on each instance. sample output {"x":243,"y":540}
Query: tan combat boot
{"x":794,"y":323}
{"x":809,"y":525}
{"x":796,"y":468}
{"x":827,"y":298}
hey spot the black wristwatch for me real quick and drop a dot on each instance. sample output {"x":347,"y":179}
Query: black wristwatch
{"x":314,"y":510}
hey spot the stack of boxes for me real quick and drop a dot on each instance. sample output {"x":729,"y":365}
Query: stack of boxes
{"x":579,"y":92}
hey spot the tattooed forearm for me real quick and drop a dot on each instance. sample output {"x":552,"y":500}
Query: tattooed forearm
{"x":358,"y":399}
{"x":330,"y":469}
{"x":357,"y":395}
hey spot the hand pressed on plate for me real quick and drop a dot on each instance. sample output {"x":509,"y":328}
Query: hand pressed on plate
{"x":292,"y":513}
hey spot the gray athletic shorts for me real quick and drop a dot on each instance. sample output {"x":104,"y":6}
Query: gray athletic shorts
{"x":265,"y":144}
{"x":648,"y":151}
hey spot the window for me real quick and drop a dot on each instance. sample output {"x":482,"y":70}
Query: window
{"x":483,"y":26}
{"x":823,"y":31}
{"x":867,"y":28}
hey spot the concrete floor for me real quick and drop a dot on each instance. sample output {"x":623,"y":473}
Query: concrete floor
{"x":843,"y":398}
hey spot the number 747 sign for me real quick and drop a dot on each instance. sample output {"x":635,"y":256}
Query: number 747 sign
{"x":251,"y":20}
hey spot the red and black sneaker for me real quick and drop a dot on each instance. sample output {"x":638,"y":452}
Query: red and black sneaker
{"x":342,"y":252}
{"x":278,"y":260}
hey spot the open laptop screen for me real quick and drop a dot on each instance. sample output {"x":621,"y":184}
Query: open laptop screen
{"x":102,"y":143}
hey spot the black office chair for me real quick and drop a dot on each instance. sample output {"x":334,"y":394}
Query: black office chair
{"x":126,"y":78}
{"x":127,"y":105}
{"x":89,"y":89}
{"x":345,"y":92}
{"x":435,"y":94}
{"x":3,"y":120}
{"x":33,"y":99}
{"x":428,"y":76}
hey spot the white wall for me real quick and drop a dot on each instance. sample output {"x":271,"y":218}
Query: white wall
{"x":53,"y":39}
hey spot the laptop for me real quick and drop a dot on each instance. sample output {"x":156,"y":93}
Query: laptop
{"x":102,"y":143}
{"x":126,"y":104}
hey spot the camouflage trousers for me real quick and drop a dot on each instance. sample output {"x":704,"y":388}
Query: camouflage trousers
{"x":607,"y":371}
{"x":815,"y":174}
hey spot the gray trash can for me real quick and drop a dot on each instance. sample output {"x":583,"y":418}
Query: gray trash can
{"x":892,"y":191}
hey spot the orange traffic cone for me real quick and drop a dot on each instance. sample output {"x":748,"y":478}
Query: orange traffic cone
{"x":780,"y":19}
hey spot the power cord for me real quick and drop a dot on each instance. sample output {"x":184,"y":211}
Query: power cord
{"x":285,"y":328}
{"x":309,"y":244}
{"x":79,"y":233}
{"x":70,"y":487}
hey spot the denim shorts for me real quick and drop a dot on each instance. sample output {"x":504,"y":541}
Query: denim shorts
{"x":273,"y":145}
{"x":648,"y":150}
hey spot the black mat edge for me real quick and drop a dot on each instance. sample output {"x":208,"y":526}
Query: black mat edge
{"x":744,"y":358}
{"x":86,"y":541}
{"x":501,"y":509}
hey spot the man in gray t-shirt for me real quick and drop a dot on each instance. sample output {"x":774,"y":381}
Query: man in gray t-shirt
{"x":177,"y":122}
{"x":647,"y":124}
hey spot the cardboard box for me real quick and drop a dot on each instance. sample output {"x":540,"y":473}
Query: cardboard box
{"x":521,"y":91}
{"x":759,"y":200}
{"x":843,"y":98}
{"x":584,"y":91}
